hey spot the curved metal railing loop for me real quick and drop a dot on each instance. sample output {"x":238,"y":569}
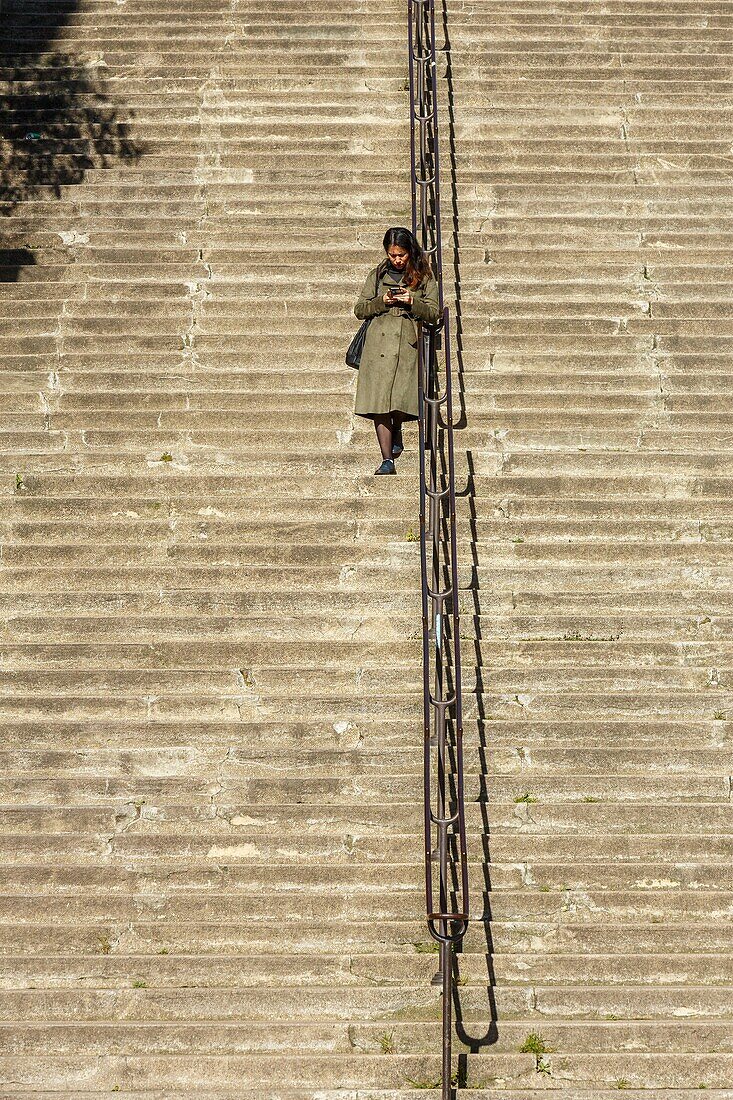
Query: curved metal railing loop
{"x":435,"y":402}
{"x":445,"y":820}
{"x":445,"y":849}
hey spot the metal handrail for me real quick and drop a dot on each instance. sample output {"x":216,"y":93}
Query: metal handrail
{"x":444,"y":815}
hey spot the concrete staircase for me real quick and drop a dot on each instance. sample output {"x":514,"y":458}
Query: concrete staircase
{"x":211,"y":815}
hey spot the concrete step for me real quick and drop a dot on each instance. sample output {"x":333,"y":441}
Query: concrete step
{"x":362,"y":734}
{"x":382,"y":1004}
{"x":145,"y":852}
{"x":397,"y":1071}
{"x":301,"y":873}
{"x":339,"y":788}
{"x":426,"y":1092}
{"x":532,"y":818}
{"x":146,"y":938}
{"x":386,"y":971}
{"x":319,"y":1038}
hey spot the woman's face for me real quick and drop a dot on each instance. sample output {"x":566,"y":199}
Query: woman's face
{"x":398,"y":257}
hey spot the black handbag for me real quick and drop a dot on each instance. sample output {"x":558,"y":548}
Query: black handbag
{"x":356,"y":347}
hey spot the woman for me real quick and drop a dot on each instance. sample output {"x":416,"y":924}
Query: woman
{"x":398,"y":292}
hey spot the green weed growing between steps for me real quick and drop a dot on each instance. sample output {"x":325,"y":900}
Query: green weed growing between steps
{"x":386,"y":1043}
{"x":429,"y":1083}
{"x":429,"y":948}
{"x":534,"y":1044}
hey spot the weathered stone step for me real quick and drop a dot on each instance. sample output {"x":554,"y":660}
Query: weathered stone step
{"x":103,"y":426}
{"x":167,"y":140}
{"x":515,"y":8}
{"x":224,"y":830}
{"x":530,"y":336}
{"x":400,"y":1071}
{"x":545,"y":663}
{"x":403,"y":1093}
{"x":224,"y":487}
{"x":162,"y":617}
{"x":145,"y":853}
{"x":634,"y":441}
{"x":180,"y":168}
{"x":149,"y":938}
{"x":496,"y":292}
{"x":281,"y":54}
{"x":360,"y":533}
{"x":491,"y":321}
{"x":198,"y":1071}
{"x":643,"y":169}
{"x":489,"y":385}
{"x":322,"y":1037}
{"x":142,"y":703}
{"x":360,"y":734}
{"x":224,"y":301}
{"x":346,"y":621}
{"x":531,"y":31}
{"x":312,"y":879}
{"x":147,"y":697}
{"x":287,"y":970}
{"x":129,"y":494}
{"x":106,"y":257}
{"x":647,"y":432}
{"x":620,"y":468}
{"x":373,"y":789}
{"x":537,"y":756}
{"x":599,"y":907}
{"x":380,"y":584}
{"x":57,"y":518}
{"x":512,"y":660}
{"x":384,"y":1004}
{"x":307,"y":563}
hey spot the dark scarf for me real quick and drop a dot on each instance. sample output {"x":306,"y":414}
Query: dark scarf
{"x":394,"y":273}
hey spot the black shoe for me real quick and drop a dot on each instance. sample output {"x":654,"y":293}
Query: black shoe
{"x":397,"y":447}
{"x":387,"y":467}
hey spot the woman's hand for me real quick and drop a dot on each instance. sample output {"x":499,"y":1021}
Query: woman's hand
{"x":402,"y":296}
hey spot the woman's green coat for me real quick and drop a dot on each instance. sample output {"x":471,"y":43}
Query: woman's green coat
{"x":388,"y":370}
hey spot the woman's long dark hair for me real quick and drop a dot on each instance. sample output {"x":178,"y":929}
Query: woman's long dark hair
{"x":418,"y":265}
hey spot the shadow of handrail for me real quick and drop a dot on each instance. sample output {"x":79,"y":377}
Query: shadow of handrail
{"x":474,"y":1042}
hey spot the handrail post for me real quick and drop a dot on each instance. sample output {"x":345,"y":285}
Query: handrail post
{"x":444,"y":814}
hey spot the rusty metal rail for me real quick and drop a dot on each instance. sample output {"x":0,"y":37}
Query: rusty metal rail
{"x":446,"y":866}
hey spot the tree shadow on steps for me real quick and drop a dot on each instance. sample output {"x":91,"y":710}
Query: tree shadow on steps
{"x":57,"y":119}
{"x":12,"y":262}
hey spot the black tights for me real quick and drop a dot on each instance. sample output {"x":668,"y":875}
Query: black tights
{"x":388,"y":427}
